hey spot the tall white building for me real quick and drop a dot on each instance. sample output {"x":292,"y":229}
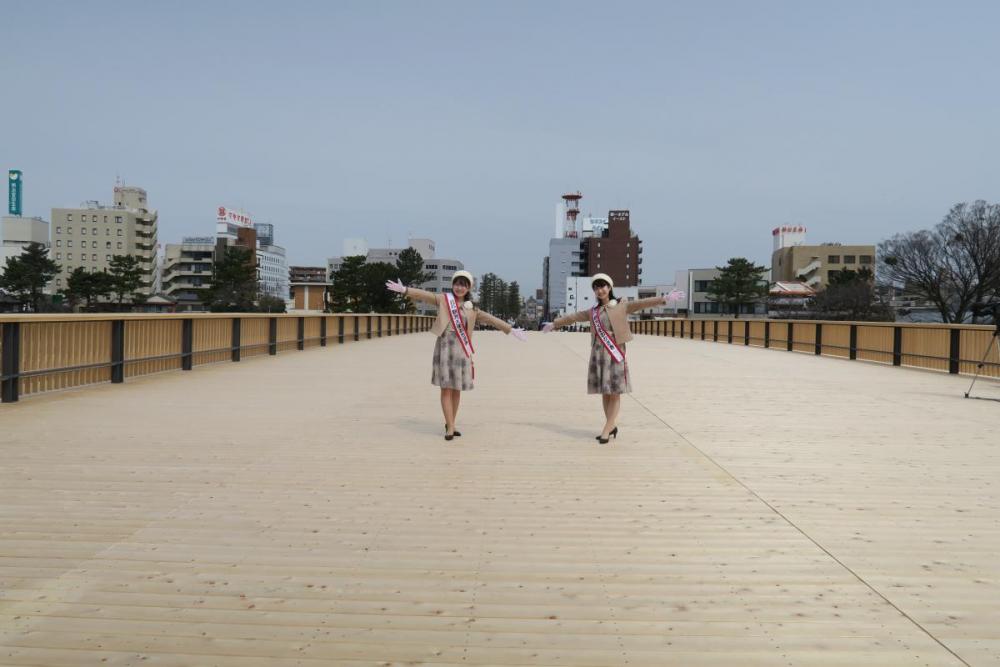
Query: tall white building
{"x":90,"y":235}
{"x":272,"y":270}
{"x":236,"y":227}
{"x":566,"y":260}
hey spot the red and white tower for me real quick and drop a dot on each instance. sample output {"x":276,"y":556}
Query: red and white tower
{"x":571,"y":205}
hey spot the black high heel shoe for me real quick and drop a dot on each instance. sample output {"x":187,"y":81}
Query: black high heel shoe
{"x":454,"y":434}
{"x":613,"y":433}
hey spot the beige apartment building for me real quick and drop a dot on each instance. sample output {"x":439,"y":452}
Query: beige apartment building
{"x":794,"y":261}
{"x":89,"y":236}
{"x":813,"y":264}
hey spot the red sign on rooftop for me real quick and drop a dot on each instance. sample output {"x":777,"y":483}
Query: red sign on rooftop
{"x":233,"y":217}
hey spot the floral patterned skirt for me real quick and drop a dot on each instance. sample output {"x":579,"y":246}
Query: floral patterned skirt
{"x":451,"y":368}
{"x":605,"y":375}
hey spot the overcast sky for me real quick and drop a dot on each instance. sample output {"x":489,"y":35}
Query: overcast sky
{"x":465,"y":121}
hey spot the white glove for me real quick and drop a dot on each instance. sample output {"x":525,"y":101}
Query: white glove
{"x":675,"y":295}
{"x":519,"y":334}
{"x":395,"y":286}
{"x":548,"y":327}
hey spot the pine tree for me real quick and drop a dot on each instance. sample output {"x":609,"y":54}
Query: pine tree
{"x":27,"y":275}
{"x":126,"y":276}
{"x":739,"y":283}
{"x":347,"y":290}
{"x":234,"y":282}
{"x":88,"y":286}
{"x":410,"y":271}
{"x":514,"y":301}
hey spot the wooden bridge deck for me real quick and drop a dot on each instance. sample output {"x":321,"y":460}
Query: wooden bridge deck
{"x":758,"y":508}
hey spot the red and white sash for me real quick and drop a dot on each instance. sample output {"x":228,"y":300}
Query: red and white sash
{"x":458,"y":323}
{"x":602,"y":334}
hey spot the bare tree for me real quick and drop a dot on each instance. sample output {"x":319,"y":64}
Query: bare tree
{"x":953,"y":265}
{"x":974,"y":230}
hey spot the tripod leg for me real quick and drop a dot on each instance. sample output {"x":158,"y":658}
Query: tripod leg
{"x":982,"y":363}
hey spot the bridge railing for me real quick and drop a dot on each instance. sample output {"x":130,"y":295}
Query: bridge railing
{"x":40,"y":353}
{"x":954,"y":348}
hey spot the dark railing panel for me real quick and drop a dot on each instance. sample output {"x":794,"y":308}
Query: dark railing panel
{"x":10,"y":367}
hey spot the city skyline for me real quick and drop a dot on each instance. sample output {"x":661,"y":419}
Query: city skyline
{"x":465,"y":123}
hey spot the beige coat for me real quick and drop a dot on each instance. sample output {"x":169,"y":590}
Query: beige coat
{"x":443,"y":320}
{"x":618,"y":315}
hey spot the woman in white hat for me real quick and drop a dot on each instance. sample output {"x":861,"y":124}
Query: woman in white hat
{"x":453,"y":369}
{"x":608,"y":373}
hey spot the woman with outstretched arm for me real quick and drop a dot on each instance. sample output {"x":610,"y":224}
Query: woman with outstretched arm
{"x":608,"y":372}
{"x":453,"y":368}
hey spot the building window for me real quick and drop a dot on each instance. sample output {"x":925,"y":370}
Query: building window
{"x":107,"y":258}
{"x":58,"y":255}
{"x":93,"y":244}
{"x":94,"y":230}
{"x":107,"y":231}
{"x":93,"y":258}
{"x":58,"y":282}
{"x":833,"y":259}
{"x":105,"y":219}
{"x":93,"y":219}
{"x":83,"y":230}
{"x":118,"y":218}
{"x":119,"y":245}
{"x":58,"y":243}
{"x":69,"y":243}
{"x":58,"y":230}
{"x":866,"y":259}
{"x":69,"y":255}
{"x":107,"y":245}
{"x":119,"y":232}
{"x":848,"y":259}
{"x":69,"y":217}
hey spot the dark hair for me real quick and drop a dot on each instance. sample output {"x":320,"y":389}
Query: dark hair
{"x":468,"y":285}
{"x":611,"y":291}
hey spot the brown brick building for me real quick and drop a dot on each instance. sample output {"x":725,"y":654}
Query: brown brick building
{"x":617,"y":252}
